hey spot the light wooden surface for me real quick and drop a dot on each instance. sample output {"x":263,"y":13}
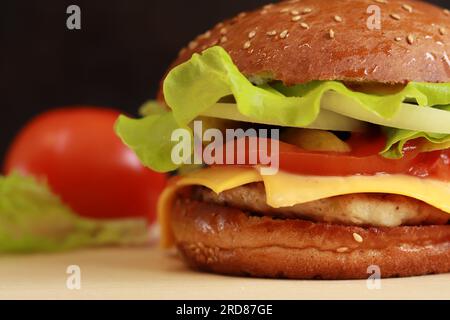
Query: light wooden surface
{"x":148,"y":273}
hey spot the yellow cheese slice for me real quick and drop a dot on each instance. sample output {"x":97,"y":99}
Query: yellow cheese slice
{"x":286,"y":190}
{"x":217,"y":179}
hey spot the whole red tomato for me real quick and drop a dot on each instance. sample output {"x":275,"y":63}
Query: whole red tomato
{"x":86,"y":164}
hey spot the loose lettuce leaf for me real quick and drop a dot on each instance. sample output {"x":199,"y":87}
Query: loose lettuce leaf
{"x":196,"y":85}
{"x":33,"y":219}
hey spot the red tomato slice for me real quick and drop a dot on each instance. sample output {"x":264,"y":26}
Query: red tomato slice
{"x":364,"y":159}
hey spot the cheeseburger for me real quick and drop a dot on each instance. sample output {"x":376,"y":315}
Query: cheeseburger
{"x":359,"y":91}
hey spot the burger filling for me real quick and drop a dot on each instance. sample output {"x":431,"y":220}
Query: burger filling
{"x":349,"y":153}
{"x":380,"y":210}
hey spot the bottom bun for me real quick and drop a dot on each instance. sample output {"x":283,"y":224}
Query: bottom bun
{"x":229,"y":241}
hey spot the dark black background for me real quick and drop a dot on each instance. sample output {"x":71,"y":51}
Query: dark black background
{"x":117,"y":59}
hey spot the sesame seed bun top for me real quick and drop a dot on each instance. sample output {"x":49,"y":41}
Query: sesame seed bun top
{"x":296,"y":41}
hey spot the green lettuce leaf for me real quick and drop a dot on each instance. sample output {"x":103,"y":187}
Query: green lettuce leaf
{"x":150,"y":139}
{"x":397,"y":138}
{"x":385,"y":106}
{"x":33,"y":219}
{"x":151,"y":107}
{"x":193,"y":87}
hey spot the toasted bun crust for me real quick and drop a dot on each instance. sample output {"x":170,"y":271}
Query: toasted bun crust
{"x":228,"y":241}
{"x":303,"y":40}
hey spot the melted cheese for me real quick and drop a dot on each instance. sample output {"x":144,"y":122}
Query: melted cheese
{"x":285,"y":190}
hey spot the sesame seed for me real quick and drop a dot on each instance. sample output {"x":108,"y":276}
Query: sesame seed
{"x":272,"y":33}
{"x":242,"y":15}
{"x":268,"y":6}
{"x":284,"y":34}
{"x":284,"y":10}
{"x":304,"y":25}
{"x":381,"y":1}
{"x":410,"y":38}
{"x":357,"y":237}
{"x":206,"y":35}
{"x":442,"y":31}
{"x":307,"y":10}
{"x":296,"y":18}
{"x":440,"y":43}
{"x":398,"y":39}
{"x":295,"y":12}
{"x":331,"y":33}
{"x":192,"y":45}
{"x":342,"y":249}
{"x":252,"y":34}
{"x":247,"y":44}
{"x":337,"y":19}
{"x":264,"y":12}
{"x":219,"y":25}
{"x":446,"y":12}
{"x":407,"y":7}
{"x":223,"y":30}
{"x":223,"y":39}
{"x":395,"y":16}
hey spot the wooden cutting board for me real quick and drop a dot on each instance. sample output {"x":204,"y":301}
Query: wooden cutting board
{"x":149,"y":273}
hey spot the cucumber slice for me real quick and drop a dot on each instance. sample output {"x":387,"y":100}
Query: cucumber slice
{"x":327,"y":120}
{"x":410,"y":116}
